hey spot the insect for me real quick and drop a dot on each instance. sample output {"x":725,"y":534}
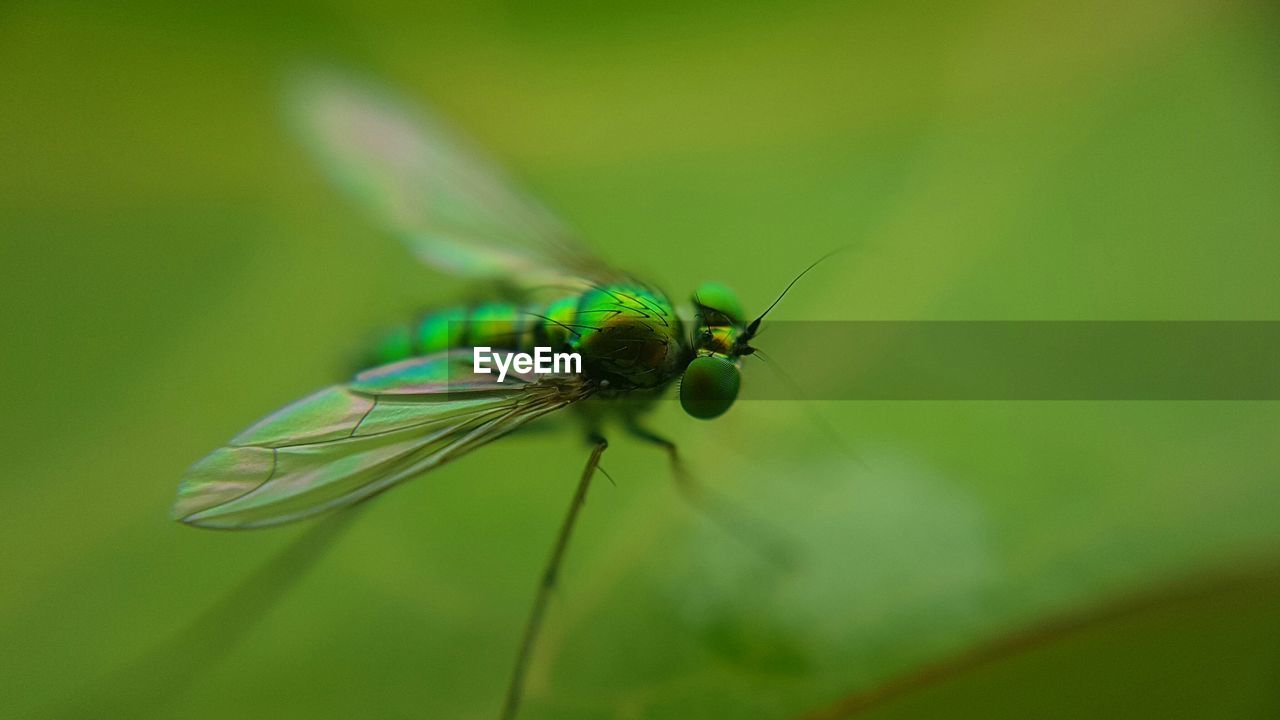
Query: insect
{"x":420,"y":404}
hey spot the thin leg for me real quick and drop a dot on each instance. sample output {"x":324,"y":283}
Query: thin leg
{"x":751,"y":532}
{"x":512,"y":704}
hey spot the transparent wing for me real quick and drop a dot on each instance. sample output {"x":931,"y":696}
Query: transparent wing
{"x":349,"y":442}
{"x":454,"y":209}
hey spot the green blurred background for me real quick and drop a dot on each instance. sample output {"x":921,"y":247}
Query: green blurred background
{"x":174,"y":266}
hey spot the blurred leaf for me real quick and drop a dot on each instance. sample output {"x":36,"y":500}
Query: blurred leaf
{"x":173,"y":268}
{"x":1198,"y":650}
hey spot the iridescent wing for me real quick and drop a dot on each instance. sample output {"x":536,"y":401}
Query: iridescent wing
{"x":350,"y":442}
{"x":454,"y":209}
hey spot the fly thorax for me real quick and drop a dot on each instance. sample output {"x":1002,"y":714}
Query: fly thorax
{"x":628,"y":335}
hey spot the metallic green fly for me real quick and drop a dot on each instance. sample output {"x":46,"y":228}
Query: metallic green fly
{"x":420,"y":405}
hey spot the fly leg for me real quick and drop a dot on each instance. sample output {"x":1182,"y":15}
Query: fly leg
{"x":748,"y":530}
{"x":512,"y":704}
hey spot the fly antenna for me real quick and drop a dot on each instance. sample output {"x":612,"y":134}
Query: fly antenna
{"x":751,"y":329}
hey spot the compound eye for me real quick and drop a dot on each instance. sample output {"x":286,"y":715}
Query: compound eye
{"x":709,"y":387}
{"x":719,"y":298}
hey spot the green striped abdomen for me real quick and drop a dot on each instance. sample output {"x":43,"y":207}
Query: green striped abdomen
{"x":627,"y":334}
{"x":507,"y":326}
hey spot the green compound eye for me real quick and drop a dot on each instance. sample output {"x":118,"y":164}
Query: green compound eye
{"x":709,"y":387}
{"x":719,"y":297}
